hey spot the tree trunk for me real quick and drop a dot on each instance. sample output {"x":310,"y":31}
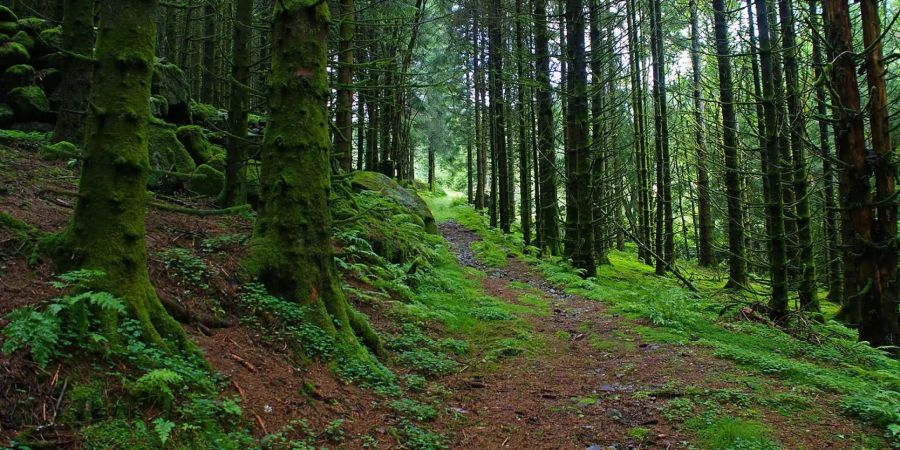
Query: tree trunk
{"x":291,"y":251}
{"x":524,"y":151}
{"x":548,"y":208}
{"x":234,"y":191}
{"x":78,"y":38}
{"x":480,"y":153}
{"x":665,"y":238}
{"x":705,"y":244}
{"x":772,"y":157}
{"x":578,"y":153}
{"x":878,"y":311}
{"x":737,"y":262}
{"x":343,"y":137}
{"x":637,"y":105}
{"x":107,"y":230}
{"x":208,"y":79}
{"x":496,"y":47}
{"x":806,"y":267}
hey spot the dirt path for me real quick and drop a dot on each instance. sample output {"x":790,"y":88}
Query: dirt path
{"x":580,"y":391}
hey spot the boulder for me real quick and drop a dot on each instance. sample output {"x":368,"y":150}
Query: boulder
{"x":201,"y":150}
{"x":24,"y":39}
{"x":208,"y":116}
{"x":376,"y":182}
{"x":170,"y":83}
{"x":12,"y":53}
{"x":207,"y":181}
{"x":8,"y":28}
{"x":7,"y":15}
{"x":19,"y":75}
{"x":159,"y":107}
{"x":167,"y":154}
{"x":49,"y":40}
{"x":6,"y":115}
{"x":33,"y":25}
{"x":29,"y":103}
{"x":61,"y":150}
{"x":50,"y":79}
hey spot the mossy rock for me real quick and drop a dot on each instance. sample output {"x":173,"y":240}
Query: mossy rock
{"x":34,"y":25}
{"x":30,"y":103}
{"x":208,"y":116}
{"x":49,"y":40}
{"x":167,"y":154}
{"x":19,"y":75}
{"x":202,"y":151}
{"x":159,"y":107}
{"x":4,"y":38}
{"x":24,"y":39}
{"x":6,"y":115}
{"x":7,"y":15}
{"x":13,"y":53}
{"x":376,"y":182}
{"x":206,"y":180}
{"x":50,"y":79}
{"x":170,"y":82}
{"x":9,"y":28}
{"x":62,"y":150}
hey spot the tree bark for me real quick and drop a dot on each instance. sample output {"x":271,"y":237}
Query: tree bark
{"x":548,"y":207}
{"x":496,"y":48}
{"x":524,"y":151}
{"x":343,"y":137}
{"x":78,"y":38}
{"x":705,"y":244}
{"x":234,"y":191}
{"x":665,"y":238}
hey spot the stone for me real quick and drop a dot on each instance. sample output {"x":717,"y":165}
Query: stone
{"x":170,"y":83}
{"x":207,"y":181}
{"x":29,"y":103}
{"x":373,"y":181}
{"x":13,"y":53}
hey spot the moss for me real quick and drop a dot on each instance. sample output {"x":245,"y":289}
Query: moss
{"x":6,"y":114}
{"x":207,"y":115}
{"x":206,"y":181}
{"x":6,"y":15}
{"x":51,"y":37}
{"x":158,"y":106}
{"x":8,"y":28}
{"x":29,"y":103}
{"x":23,"y":234}
{"x":170,"y":82}
{"x":166,"y":154}
{"x":34,"y":25}
{"x":24,"y":39}
{"x":59,"y":151}
{"x":19,"y":75}
{"x":376,"y":182}
{"x":201,"y":150}
{"x":12,"y":53}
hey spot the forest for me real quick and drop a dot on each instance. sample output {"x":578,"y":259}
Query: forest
{"x":449,"y":224}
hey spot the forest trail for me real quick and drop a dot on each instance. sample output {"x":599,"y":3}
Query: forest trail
{"x":595,"y":384}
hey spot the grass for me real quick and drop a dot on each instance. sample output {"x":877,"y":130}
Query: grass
{"x":813,"y":358}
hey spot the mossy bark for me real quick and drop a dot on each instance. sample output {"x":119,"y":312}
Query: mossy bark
{"x":235,"y":189}
{"x":78,"y":38}
{"x":291,"y":249}
{"x":548,"y":204}
{"x":107,"y":230}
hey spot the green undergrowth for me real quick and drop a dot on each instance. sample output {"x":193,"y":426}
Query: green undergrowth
{"x":808,"y":355}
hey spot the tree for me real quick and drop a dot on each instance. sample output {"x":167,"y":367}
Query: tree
{"x":524,"y":153}
{"x":706,"y":256}
{"x":640,"y":139}
{"x":771,"y":157}
{"x":234,"y":191}
{"x":580,"y":213}
{"x":496,"y":48}
{"x":108,"y":227}
{"x":665,"y":233}
{"x":548,"y":204}
{"x":291,"y":251}
{"x":208,"y":69}
{"x":343,"y":136}
{"x":78,"y":40}
{"x":737,"y":263}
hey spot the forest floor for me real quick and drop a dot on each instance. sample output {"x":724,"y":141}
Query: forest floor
{"x":500,"y":350}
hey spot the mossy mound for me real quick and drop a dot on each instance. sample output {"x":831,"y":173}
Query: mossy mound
{"x":34,"y":25}
{"x":30,"y":103}
{"x":59,"y":151}
{"x":376,"y":182}
{"x":159,"y":107}
{"x":201,"y":150}
{"x":19,"y":75}
{"x":167,"y":154}
{"x":50,"y":39}
{"x":206,"y":180}
{"x":7,"y":15}
{"x":9,"y":28}
{"x":13,"y":53}
{"x":208,"y":116}
{"x":6,"y":114}
{"x":24,"y":39}
{"x":50,"y":79}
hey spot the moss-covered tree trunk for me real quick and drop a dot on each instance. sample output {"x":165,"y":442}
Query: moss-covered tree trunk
{"x":78,"y":39}
{"x":234,"y":191}
{"x":291,"y":251}
{"x":343,"y":137}
{"x":107,"y":230}
{"x":548,"y":203}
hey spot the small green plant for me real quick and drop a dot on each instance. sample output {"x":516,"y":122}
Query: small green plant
{"x":412,"y":409}
{"x":287,"y":322}
{"x":190,"y":270}
{"x":427,"y":362}
{"x":218,"y":243}
{"x":417,"y":438}
{"x":639,"y":433}
{"x":414,"y":383}
{"x":334,"y":431}
{"x":163,"y":429}
{"x":156,"y":388}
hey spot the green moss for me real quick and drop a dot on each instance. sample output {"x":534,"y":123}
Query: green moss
{"x":167,"y":154}
{"x":24,"y":39}
{"x":59,"y":151}
{"x":6,"y":114}
{"x":8,"y":28}
{"x":29,"y":103}
{"x":376,"y":182}
{"x":207,"y":115}
{"x":734,"y":434}
{"x":19,"y":75}
{"x":201,"y":150}
{"x":158,"y":106}
{"x":7,"y":15}
{"x":206,"y":181}
{"x":51,"y":37}
{"x":33,"y":25}
{"x":12,"y":53}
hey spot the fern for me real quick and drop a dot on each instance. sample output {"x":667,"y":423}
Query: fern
{"x":163,"y":429}
{"x":155,"y":386}
{"x":30,"y":328}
